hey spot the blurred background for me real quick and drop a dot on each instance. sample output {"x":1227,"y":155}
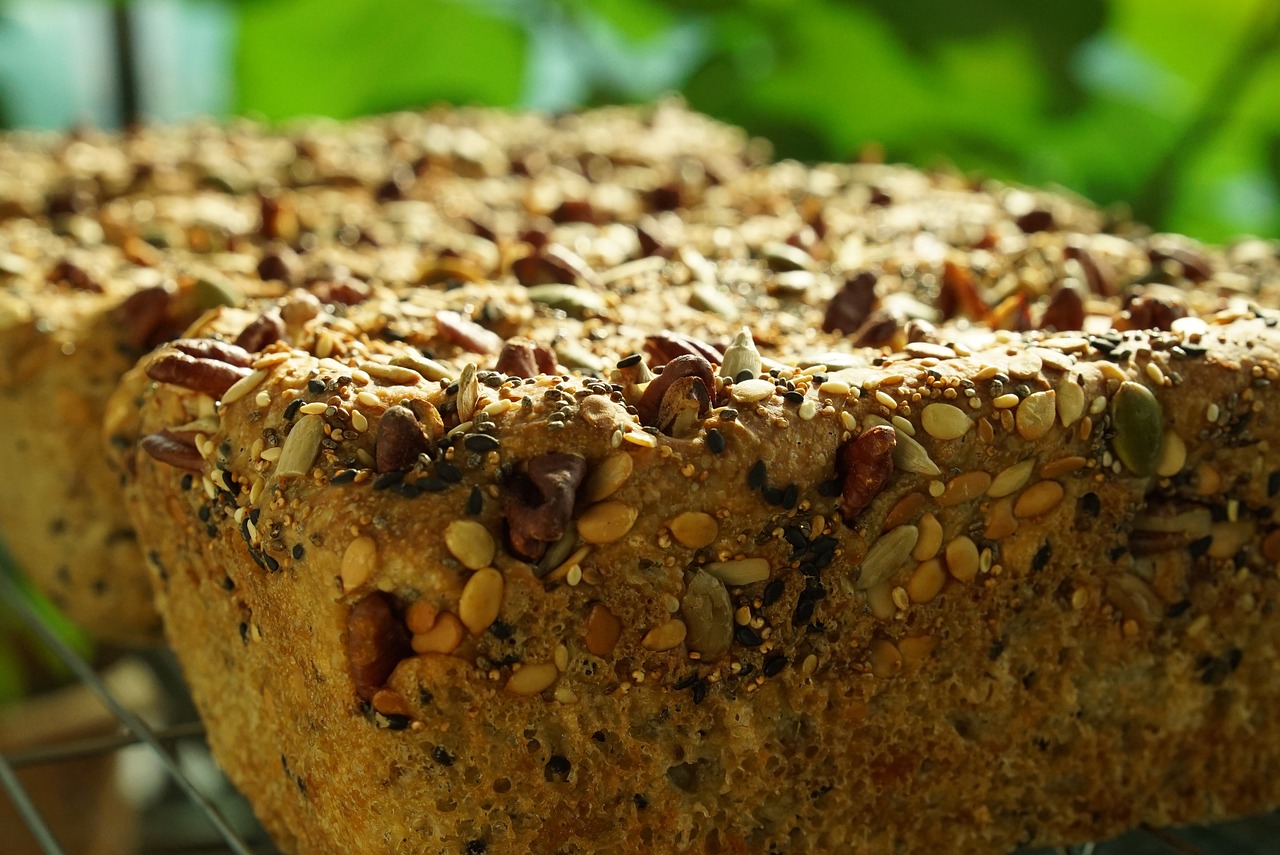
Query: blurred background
{"x":1170,"y":107}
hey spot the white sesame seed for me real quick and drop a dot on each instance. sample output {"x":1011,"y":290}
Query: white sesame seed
{"x":359,"y":421}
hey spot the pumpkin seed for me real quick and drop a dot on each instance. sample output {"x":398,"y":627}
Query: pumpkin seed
{"x":1139,"y":428}
{"x":573,"y":301}
{"x":944,"y":421}
{"x":1011,"y":479}
{"x":608,"y":476}
{"x":708,"y":616}
{"x":210,"y":293}
{"x":710,"y":298}
{"x":1036,"y":414}
{"x":606,"y":522}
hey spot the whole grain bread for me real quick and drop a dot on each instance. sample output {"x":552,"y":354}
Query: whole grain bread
{"x":111,"y":244}
{"x":963,"y":590}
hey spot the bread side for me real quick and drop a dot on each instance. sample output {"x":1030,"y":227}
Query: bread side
{"x":1045,"y":618}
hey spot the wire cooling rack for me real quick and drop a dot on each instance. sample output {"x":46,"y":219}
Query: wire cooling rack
{"x":221,"y":835}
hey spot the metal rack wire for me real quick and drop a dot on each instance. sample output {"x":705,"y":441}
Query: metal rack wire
{"x":1257,"y":836}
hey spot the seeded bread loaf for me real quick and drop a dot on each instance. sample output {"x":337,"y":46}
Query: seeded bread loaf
{"x":964,"y":592}
{"x":112,"y":244}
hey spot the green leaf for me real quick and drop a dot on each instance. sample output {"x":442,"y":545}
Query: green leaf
{"x":342,"y":59}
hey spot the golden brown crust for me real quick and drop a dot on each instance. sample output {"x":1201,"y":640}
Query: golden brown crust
{"x":110,"y":245}
{"x":874,"y":676}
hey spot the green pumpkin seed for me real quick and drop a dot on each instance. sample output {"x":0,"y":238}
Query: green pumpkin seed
{"x":1139,"y":426}
{"x":573,"y":301}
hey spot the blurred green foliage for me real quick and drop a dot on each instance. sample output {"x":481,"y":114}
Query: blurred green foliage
{"x":1169,"y":106}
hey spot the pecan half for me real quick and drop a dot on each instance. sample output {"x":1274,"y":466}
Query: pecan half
{"x":543,"y":268}
{"x":348,"y":291}
{"x":1096,"y":276}
{"x":682,"y":407}
{"x":174,"y":450}
{"x":525,"y":359}
{"x":266,"y":329}
{"x":958,"y":295}
{"x":144,"y":317}
{"x":209,"y":348}
{"x":539,"y":504}
{"x":1065,"y":310}
{"x":467,"y":334}
{"x":1146,"y":312}
{"x":75,"y":276}
{"x":689,"y":365}
{"x":865,"y":465}
{"x":879,"y":330}
{"x":400,"y":440}
{"x":851,"y":305}
{"x":210,"y":376}
{"x":280,"y":263}
{"x":666,"y":346}
{"x":377,"y":640}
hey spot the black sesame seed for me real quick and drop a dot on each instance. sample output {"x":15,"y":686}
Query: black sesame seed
{"x":747,"y":637}
{"x":686,"y":682}
{"x":480,"y":442}
{"x":204,"y":513}
{"x":772,"y":592}
{"x":795,"y":537}
{"x":272,"y":564}
{"x":757,"y":475}
{"x":793,"y":397}
{"x":829,"y":488}
{"x":441,"y":756}
{"x":387,"y":479}
{"x":825,"y":545}
{"x":715,"y":441}
{"x":772,"y":495}
{"x":1041,"y":559}
{"x":408,"y":491}
{"x":1178,"y":609}
{"x":211,"y":530}
{"x":187,"y":481}
{"x":315,"y":386}
{"x":431,"y":485}
{"x":298,"y":552}
{"x":790,"y":496}
{"x":451,"y":390}
{"x":630,"y":361}
{"x":346,"y":476}
{"x":448,"y":471}
{"x":803,"y":613}
{"x":475,"y":502}
{"x":700,"y":690}
{"x":392,"y":721}
{"x":997,"y":648}
{"x":773,"y":664}
{"x":744,"y":375}
{"x":1273,"y":484}
{"x":292,"y":410}
{"x":501,"y":630}
{"x":1200,"y":547}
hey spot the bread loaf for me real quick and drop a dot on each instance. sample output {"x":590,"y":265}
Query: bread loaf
{"x":966,"y":542}
{"x":110,"y":245}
